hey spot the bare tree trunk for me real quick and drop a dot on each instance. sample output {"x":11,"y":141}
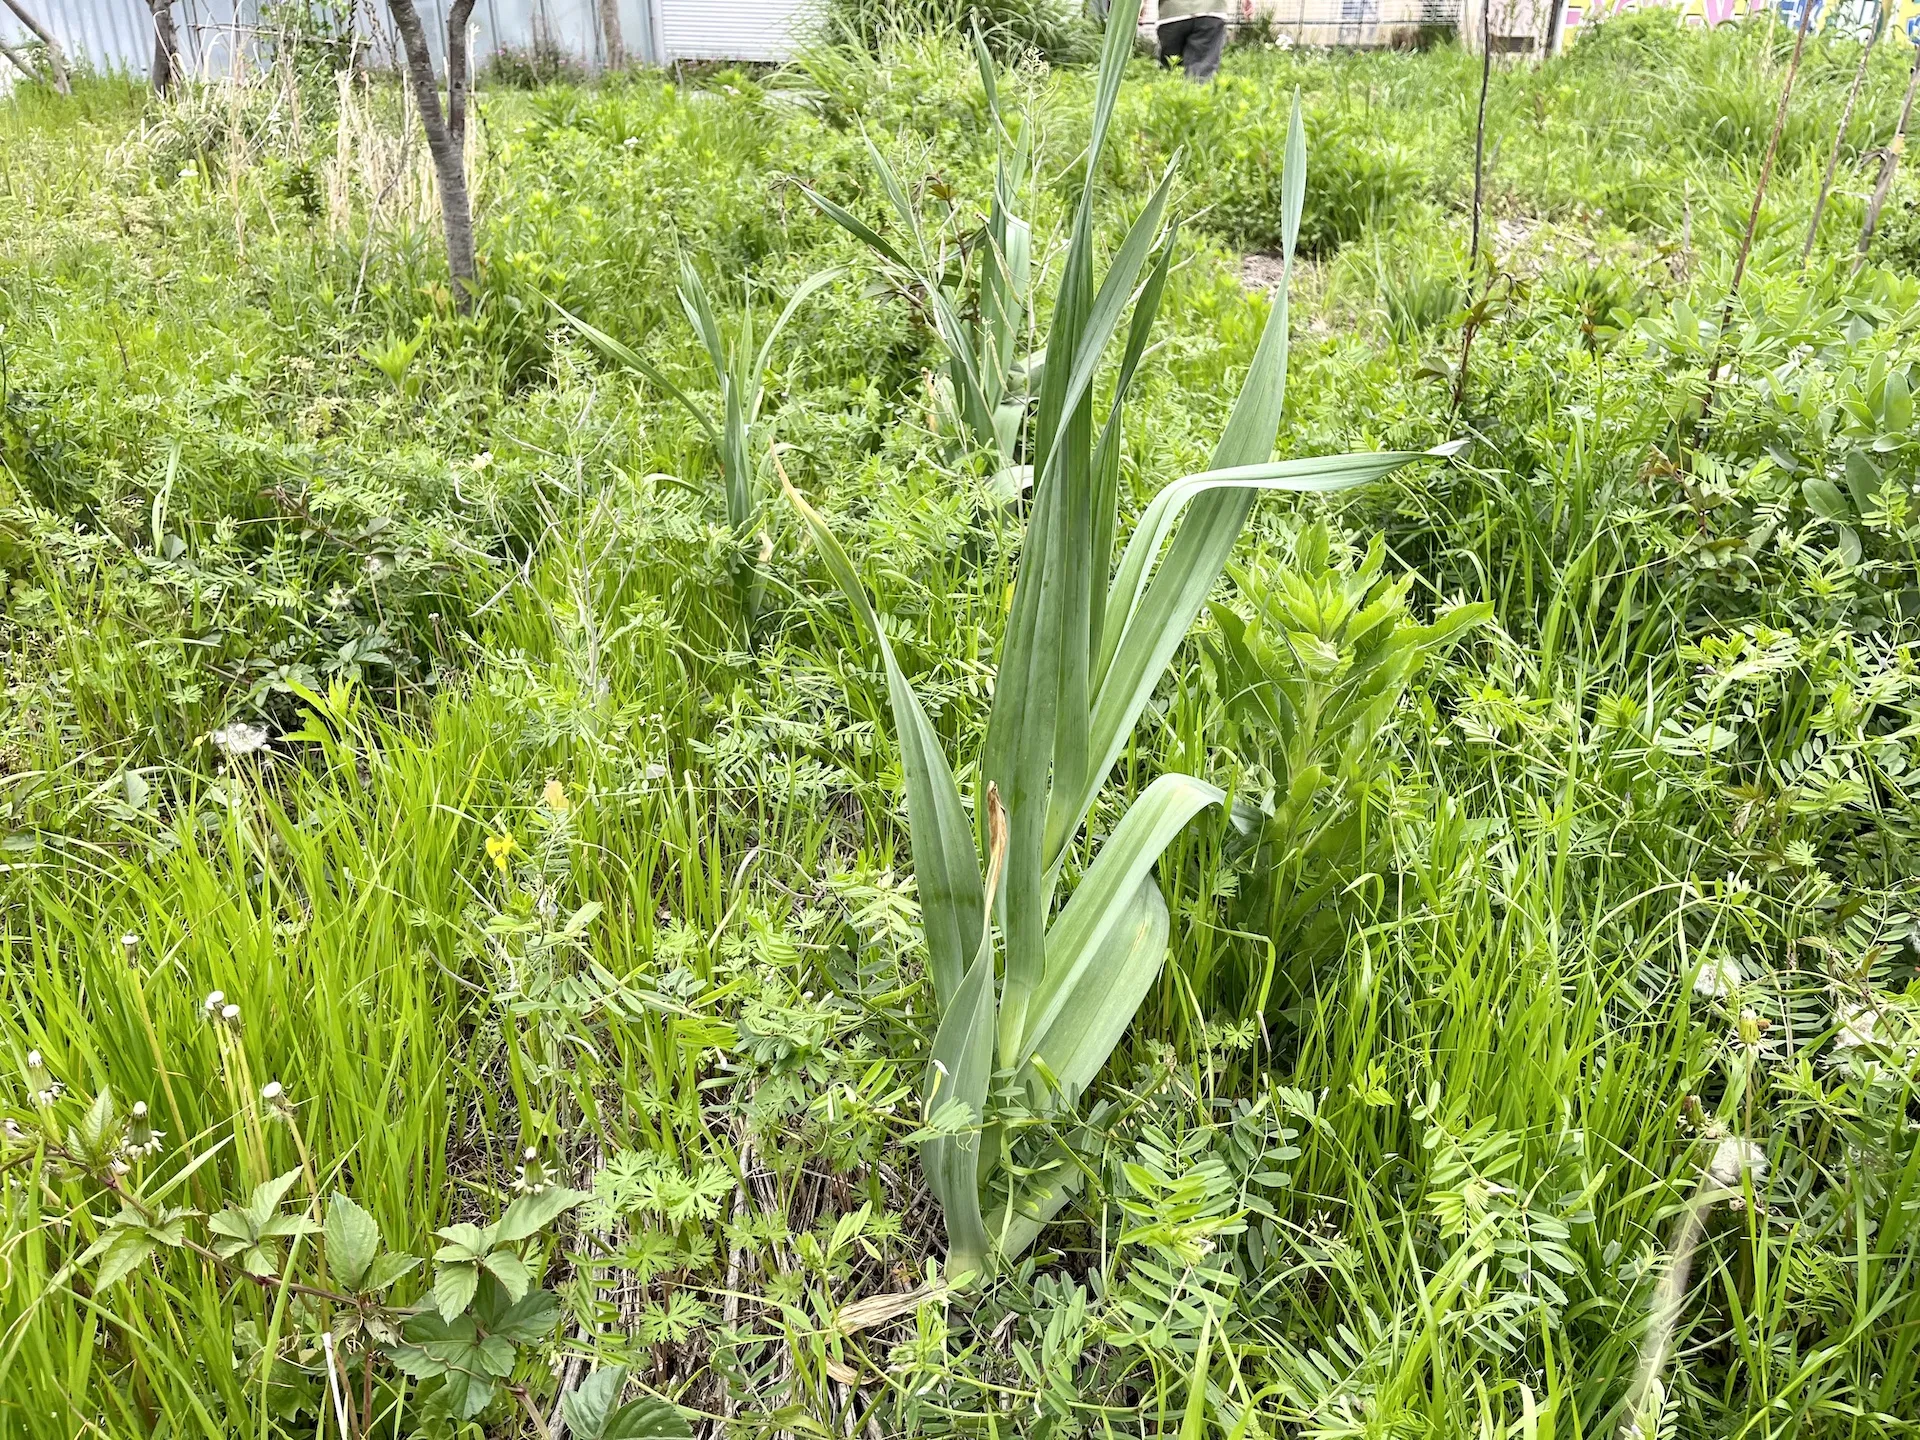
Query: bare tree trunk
{"x":459,"y":81}
{"x":166,"y":47}
{"x":610,"y":32}
{"x":1889,"y":163}
{"x":1839,"y":139}
{"x":56,"y":61}
{"x":447,"y":150}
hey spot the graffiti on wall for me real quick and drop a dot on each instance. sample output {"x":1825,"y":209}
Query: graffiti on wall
{"x":1855,"y":17}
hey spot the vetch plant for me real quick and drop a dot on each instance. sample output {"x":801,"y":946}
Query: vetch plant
{"x":741,"y":371}
{"x":1085,"y":645}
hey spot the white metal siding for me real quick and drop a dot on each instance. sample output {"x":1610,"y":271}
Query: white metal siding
{"x":732,"y":29}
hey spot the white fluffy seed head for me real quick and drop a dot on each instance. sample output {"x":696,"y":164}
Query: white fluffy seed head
{"x":1734,"y":1157}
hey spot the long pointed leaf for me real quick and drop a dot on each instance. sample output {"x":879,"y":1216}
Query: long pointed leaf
{"x":1092,"y":966}
{"x":1106,"y":455}
{"x":699,"y":308}
{"x":1319,"y":474}
{"x":1145,"y":636}
{"x":857,"y":228}
{"x":801,"y":292}
{"x":960,"y":1069}
{"x":634,"y":360}
{"x":945,"y":862}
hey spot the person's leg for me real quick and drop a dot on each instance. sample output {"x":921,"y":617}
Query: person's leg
{"x":1172,"y":37}
{"x":1204,"y":42}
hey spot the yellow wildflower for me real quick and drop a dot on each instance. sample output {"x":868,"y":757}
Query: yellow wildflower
{"x":554,"y":797}
{"x":500,"y":848}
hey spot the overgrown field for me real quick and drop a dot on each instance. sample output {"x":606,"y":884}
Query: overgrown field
{"x":462,"y":945}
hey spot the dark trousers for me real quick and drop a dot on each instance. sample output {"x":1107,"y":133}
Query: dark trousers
{"x":1196,"y":43}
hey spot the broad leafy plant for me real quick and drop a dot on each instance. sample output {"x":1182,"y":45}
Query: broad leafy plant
{"x":1084,"y":648}
{"x":1309,"y":678}
{"x":977,"y":290}
{"x":327,"y":1270}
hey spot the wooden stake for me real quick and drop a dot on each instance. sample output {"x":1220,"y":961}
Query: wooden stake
{"x":1840,"y":136}
{"x":1759,"y":195}
{"x":1889,"y":163}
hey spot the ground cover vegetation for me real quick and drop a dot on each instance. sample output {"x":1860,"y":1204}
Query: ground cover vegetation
{"x":593,"y":864}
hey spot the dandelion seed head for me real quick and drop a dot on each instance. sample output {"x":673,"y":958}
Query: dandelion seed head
{"x":1717,"y":978}
{"x":1859,"y":1029}
{"x":1734,"y":1157}
{"x":239,"y":738}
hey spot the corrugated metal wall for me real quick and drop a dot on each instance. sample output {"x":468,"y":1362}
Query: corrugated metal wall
{"x":117,"y":35}
{"x":741,"y":30}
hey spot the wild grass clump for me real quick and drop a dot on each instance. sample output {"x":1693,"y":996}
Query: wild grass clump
{"x":1051,"y":30}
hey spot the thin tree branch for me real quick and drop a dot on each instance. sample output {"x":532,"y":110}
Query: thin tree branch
{"x":1840,"y":137}
{"x":56,"y":60}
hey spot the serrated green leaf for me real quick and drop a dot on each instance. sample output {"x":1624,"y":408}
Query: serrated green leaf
{"x":353,"y":1240}
{"x":388,"y":1268}
{"x":529,"y":1319}
{"x":127,"y":1249}
{"x":464,"y":1242}
{"x":510,"y":1270}
{"x":453,"y":1287}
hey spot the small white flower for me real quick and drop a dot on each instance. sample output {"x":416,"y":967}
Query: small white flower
{"x":239,"y":738}
{"x":272,"y":1091}
{"x":211,"y":1005}
{"x":230,"y":1014}
{"x":187,"y":172}
{"x":1718,"y":977}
